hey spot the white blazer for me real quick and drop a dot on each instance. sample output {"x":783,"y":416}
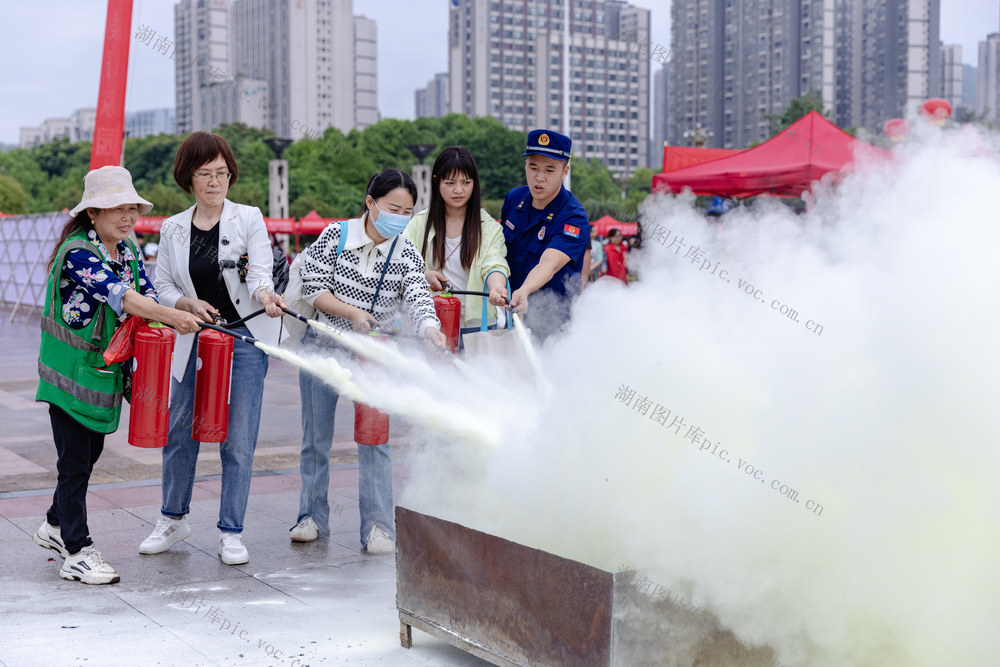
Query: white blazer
{"x":241,"y":231}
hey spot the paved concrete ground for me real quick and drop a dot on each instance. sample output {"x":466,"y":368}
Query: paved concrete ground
{"x":321,"y":603}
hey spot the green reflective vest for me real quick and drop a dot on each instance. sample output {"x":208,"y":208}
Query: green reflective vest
{"x":71,"y":370}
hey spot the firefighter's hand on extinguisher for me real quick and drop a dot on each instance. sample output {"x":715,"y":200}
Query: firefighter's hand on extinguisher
{"x":273,"y":303}
{"x":436,"y":280}
{"x":519,"y":301}
{"x":434,"y":338}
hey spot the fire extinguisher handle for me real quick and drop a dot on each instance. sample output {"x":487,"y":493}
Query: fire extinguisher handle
{"x":229,"y":325}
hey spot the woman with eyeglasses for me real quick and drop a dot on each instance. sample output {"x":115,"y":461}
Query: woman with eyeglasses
{"x":194,"y":245}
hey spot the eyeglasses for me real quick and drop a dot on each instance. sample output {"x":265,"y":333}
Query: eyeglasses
{"x":205,"y":176}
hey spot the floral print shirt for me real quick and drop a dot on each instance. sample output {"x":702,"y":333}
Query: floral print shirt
{"x":86,"y":282}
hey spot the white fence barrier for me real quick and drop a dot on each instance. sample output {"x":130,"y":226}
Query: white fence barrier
{"x":26,"y":242}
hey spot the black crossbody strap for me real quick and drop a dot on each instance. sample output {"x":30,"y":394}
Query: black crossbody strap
{"x":385,"y":267}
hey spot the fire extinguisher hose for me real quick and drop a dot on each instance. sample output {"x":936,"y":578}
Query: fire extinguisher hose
{"x":242,"y":320}
{"x":470,"y":293}
{"x":375,"y":327}
{"x":464,"y":292}
{"x":215,"y":327}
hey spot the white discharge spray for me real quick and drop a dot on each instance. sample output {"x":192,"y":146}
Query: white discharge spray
{"x":384,"y":391}
{"x":843,"y":366}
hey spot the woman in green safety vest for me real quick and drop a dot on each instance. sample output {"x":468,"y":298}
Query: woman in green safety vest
{"x":96,"y":278}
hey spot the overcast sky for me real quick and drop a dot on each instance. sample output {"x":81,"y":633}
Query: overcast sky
{"x":52,"y":54}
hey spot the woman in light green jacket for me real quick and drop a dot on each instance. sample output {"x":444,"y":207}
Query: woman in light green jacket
{"x":461,"y":243}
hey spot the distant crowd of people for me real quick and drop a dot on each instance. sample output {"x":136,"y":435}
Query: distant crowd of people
{"x":607,"y":257}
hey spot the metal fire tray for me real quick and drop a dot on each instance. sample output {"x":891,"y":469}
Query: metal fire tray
{"x":510,"y":604}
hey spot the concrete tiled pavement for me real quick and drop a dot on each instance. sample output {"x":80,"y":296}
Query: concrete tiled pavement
{"x":321,"y":603}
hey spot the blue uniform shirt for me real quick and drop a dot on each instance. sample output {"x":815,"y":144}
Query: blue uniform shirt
{"x":562,"y":225}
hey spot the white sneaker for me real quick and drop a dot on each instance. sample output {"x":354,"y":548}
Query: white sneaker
{"x":305,"y":530}
{"x":88,"y":567}
{"x":50,"y":537}
{"x":231,"y":549}
{"x":379,"y":542}
{"x":167,"y":533}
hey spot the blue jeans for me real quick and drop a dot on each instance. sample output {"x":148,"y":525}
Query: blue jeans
{"x":319,"y":405}
{"x":180,"y":456}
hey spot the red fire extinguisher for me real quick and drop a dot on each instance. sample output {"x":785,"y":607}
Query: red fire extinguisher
{"x":211,"y":386}
{"x":449,"y":311}
{"x":149,"y":414}
{"x":371,"y":427}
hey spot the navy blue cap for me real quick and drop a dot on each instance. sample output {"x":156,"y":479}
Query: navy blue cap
{"x":548,"y":143}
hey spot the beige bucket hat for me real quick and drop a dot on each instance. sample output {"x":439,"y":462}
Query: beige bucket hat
{"x":109,"y":187}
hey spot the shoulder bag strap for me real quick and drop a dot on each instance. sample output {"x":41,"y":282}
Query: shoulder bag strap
{"x":385,"y":267}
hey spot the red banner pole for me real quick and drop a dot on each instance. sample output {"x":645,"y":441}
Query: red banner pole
{"x":110,"y":125}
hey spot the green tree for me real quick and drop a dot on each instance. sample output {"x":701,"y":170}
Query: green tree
{"x":796,"y":109}
{"x":301,"y":207}
{"x":20,"y":165}
{"x":640,"y":186}
{"x":330,"y":170}
{"x":596,"y":187}
{"x":59,"y":156}
{"x":497,"y":151}
{"x":12,"y":196}
{"x":150,"y":160}
{"x":385,"y":143}
{"x":63,"y":193}
{"x":166,"y":199}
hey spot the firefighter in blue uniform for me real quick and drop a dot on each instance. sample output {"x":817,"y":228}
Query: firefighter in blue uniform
{"x":547,"y":233}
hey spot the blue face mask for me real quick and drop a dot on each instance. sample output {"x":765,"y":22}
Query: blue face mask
{"x":390,"y":224}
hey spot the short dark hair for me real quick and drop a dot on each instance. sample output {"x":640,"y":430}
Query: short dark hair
{"x":385,"y":182}
{"x":196,"y":151}
{"x":614,"y":231}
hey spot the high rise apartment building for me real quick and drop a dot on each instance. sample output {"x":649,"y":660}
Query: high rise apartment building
{"x":660,"y":115}
{"x":951,"y":74}
{"x":294,"y":66}
{"x":988,"y":105}
{"x":737,"y":65}
{"x":201,"y":52}
{"x":432,"y":101}
{"x":900,"y":58}
{"x":365,"y":73}
{"x":571,"y":66}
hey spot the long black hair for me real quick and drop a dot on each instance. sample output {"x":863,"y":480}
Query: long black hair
{"x":385,"y":182}
{"x":451,"y":162}
{"x":81,"y":221}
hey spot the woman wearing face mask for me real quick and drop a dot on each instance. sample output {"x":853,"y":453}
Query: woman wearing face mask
{"x":356,"y":274}
{"x":461,"y":243}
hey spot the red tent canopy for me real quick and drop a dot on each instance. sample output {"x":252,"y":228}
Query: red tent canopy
{"x":784,"y":165}
{"x":678,"y":157}
{"x":605,"y":224}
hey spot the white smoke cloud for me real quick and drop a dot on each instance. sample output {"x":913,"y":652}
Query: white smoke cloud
{"x":863,"y":531}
